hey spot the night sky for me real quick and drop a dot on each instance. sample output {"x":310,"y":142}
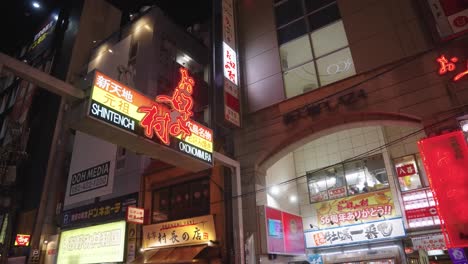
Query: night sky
{"x":20,"y":21}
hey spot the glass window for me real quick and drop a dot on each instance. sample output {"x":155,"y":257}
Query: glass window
{"x":295,"y":52}
{"x":324,"y":17}
{"x":312,"y":5}
{"x":288,"y":11}
{"x":292,"y":31}
{"x":326,"y":184}
{"x":329,"y":38}
{"x":407,"y":173}
{"x":300,"y":80}
{"x":336,"y":66}
{"x":366,"y":175}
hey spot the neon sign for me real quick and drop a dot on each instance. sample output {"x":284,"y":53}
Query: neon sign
{"x":160,"y":120}
{"x":448,"y":65}
{"x":22,"y":240}
{"x":166,"y":119}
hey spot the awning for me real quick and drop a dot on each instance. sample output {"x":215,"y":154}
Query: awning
{"x":172,"y":255}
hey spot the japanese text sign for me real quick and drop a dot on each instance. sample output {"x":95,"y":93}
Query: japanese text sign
{"x":449,"y":64}
{"x":230,"y":63}
{"x":191,"y":231}
{"x":450,"y":16}
{"x":102,"y":211}
{"x":135,"y":215}
{"x":378,"y":230}
{"x":22,"y":240}
{"x":445,"y":159}
{"x":429,"y":242}
{"x":166,"y":120}
{"x":345,"y":211}
{"x":406,"y":170}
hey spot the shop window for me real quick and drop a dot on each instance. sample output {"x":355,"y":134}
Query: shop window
{"x":408,"y":172}
{"x":326,"y":184}
{"x":181,"y":201}
{"x":350,"y":178}
{"x":313,"y":47}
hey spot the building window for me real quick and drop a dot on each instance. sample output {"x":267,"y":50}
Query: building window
{"x":314,"y":49}
{"x":181,"y":201}
{"x":409,"y":170}
{"x":354,"y":177}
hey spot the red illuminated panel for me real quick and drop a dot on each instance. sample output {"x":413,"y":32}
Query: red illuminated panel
{"x":22,"y":240}
{"x":275,"y":233}
{"x":293,"y":234}
{"x":445,"y":159}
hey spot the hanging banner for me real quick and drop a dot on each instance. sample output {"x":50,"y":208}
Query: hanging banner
{"x":191,"y":231}
{"x":346,"y":211}
{"x":368,"y":232}
{"x":445,"y":159}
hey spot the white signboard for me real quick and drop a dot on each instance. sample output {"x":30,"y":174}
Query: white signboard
{"x":135,"y":215}
{"x":355,"y":233}
{"x":91,"y":170}
{"x":429,"y":242}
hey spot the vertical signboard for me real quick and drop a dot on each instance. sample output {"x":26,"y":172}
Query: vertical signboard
{"x":450,"y":16}
{"x":445,"y":158}
{"x":232,"y":110}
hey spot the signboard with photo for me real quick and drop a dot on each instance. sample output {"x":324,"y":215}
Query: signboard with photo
{"x":357,"y":233}
{"x":346,"y":211}
{"x":191,"y":231}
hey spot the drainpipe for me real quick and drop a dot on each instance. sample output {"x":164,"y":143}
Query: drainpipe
{"x":237,"y":205}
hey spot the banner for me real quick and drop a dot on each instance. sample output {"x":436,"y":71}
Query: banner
{"x":191,"y":231}
{"x":346,"y":211}
{"x":373,"y":231}
{"x":445,"y":158}
{"x":429,"y":242}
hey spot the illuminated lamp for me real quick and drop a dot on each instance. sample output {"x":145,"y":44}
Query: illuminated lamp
{"x":36,"y":5}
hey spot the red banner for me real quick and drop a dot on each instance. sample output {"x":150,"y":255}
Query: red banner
{"x":406,"y":170}
{"x":421,"y":212}
{"x":445,"y":158}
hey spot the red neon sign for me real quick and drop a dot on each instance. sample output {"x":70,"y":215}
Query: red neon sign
{"x":22,"y":240}
{"x":445,"y":158}
{"x":448,"y":65}
{"x":174,"y":120}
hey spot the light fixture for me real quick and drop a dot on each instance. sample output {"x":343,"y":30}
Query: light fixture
{"x":56,"y":17}
{"x":465,"y":127}
{"x":45,"y":241}
{"x":274,"y":190}
{"x":142,"y":250}
{"x":36,"y":5}
{"x":110,"y":51}
{"x":293,"y":198}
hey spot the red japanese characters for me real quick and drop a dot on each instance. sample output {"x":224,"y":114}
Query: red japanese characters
{"x":448,"y":65}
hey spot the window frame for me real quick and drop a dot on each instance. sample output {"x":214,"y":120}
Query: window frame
{"x":422,"y":178}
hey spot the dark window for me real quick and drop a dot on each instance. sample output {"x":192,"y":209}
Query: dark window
{"x":288,"y":11}
{"x":292,"y":31}
{"x":181,"y":201}
{"x":324,"y":17}
{"x":312,"y":5}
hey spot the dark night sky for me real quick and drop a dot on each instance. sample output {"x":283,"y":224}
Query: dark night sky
{"x":20,"y":21}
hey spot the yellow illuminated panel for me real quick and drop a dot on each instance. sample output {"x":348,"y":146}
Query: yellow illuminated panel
{"x":94,"y":244}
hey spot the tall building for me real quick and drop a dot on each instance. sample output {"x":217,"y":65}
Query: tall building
{"x":336,"y":96}
{"x":32,"y":175}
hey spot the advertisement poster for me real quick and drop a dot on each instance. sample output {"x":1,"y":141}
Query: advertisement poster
{"x":445,"y":159}
{"x":91,"y":170}
{"x":94,"y":244}
{"x":346,"y":211}
{"x":190,"y":231}
{"x":356,"y":233}
{"x":429,"y":242}
{"x":285,"y":234}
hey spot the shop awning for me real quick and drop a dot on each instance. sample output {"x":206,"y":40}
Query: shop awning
{"x":171,"y":255}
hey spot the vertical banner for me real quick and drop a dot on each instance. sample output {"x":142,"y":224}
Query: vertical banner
{"x":231,"y":92}
{"x":445,"y":158}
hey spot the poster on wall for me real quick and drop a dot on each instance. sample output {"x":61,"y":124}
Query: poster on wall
{"x":357,"y":233}
{"x":345,"y":211}
{"x":94,"y":244}
{"x":91,"y":169}
{"x":285,"y":234}
{"x":445,"y":159}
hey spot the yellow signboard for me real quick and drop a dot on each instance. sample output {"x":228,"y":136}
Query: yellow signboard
{"x":354,"y":209}
{"x":94,"y":244}
{"x":191,"y":231}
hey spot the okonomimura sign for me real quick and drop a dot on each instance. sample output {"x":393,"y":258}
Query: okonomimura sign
{"x":167,"y":119}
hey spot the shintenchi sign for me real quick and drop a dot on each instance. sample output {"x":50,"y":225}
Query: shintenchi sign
{"x":166,"y":120}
